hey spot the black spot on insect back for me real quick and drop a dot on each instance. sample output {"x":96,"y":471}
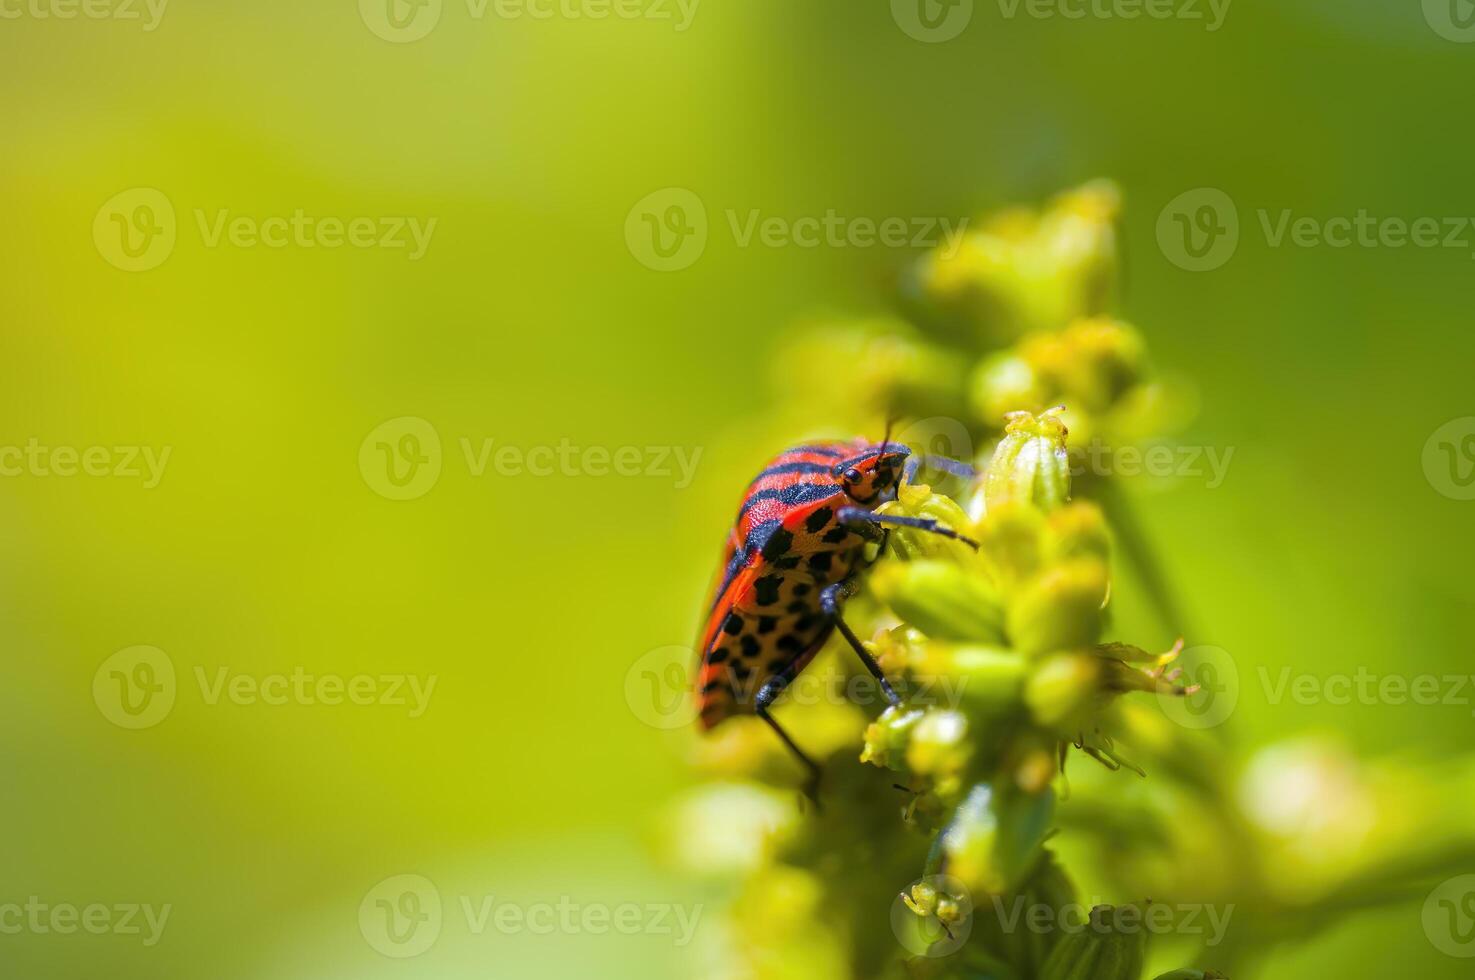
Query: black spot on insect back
{"x":750,"y":646}
{"x":835,"y":535}
{"x":734,"y":624}
{"x":766,"y":624}
{"x":777,"y":544}
{"x":789,"y":643}
{"x":820,"y":561}
{"x":718,"y":655}
{"x":766,"y":589}
{"x":818,"y":519}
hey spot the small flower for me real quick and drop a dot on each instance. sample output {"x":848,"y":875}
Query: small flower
{"x":1060,"y":609}
{"x":939,"y":746}
{"x":942,"y":599}
{"x":919,"y":500}
{"x":1030,"y":463}
{"x":1023,"y":270}
{"x":996,"y":837}
{"x":887,"y":737}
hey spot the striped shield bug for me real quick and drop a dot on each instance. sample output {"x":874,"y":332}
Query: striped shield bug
{"x":792,"y":557}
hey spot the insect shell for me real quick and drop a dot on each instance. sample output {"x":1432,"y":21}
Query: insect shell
{"x":765,"y":617}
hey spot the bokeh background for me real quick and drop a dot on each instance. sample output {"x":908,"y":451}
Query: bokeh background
{"x":265,"y":547}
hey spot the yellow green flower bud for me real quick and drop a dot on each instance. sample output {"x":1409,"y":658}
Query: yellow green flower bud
{"x":996,"y":837}
{"x":986,"y":680}
{"x":1023,"y":270}
{"x":939,"y":746}
{"x":879,"y":365}
{"x":918,"y":500}
{"x":1111,"y":946}
{"x":1077,"y":530}
{"x":887,"y":737}
{"x":1063,"y":692}
{"x":1060,"y":609}
{"x":1030,"y":463}
{"x":1011,"y":541}
{"x":942,"y":599}
{"x":1007,"y":382}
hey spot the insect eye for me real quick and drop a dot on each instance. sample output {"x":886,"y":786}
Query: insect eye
{"x":852,"y":475}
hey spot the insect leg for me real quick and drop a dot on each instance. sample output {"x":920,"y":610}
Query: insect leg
{"x":941,"y":464}
{"x":859,"y":516}
{"x":829,"y":600}
{"x":761,"y":703}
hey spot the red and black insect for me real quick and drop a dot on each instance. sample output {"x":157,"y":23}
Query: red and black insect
{"x":791,"y":559}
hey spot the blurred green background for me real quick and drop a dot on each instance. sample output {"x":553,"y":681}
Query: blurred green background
{"x":529,"y":321}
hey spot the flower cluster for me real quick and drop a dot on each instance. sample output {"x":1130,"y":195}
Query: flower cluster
{"x":955,"y":830}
